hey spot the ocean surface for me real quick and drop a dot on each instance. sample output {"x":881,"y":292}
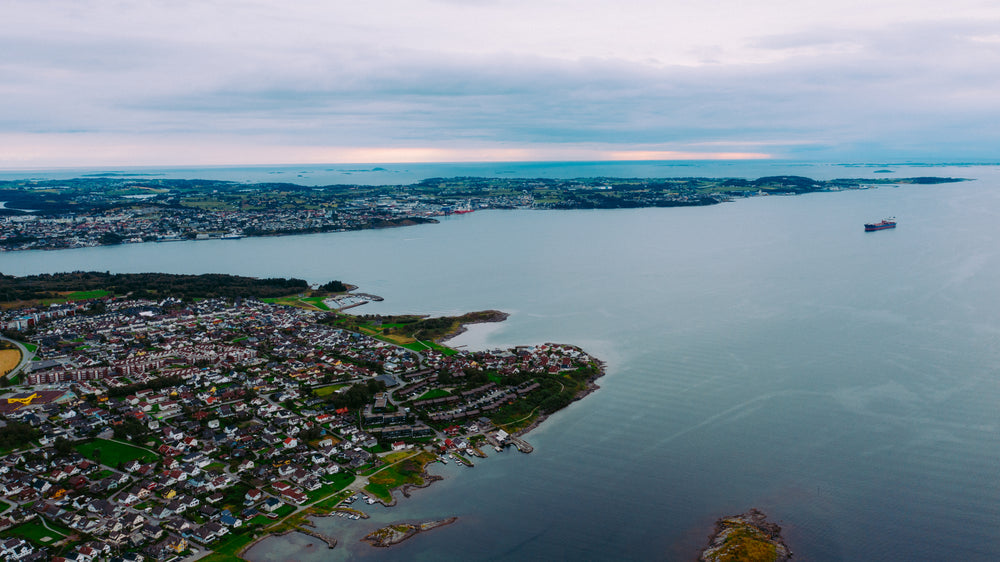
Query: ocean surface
{"x":761,"y":353}
{"x":401,"y":174}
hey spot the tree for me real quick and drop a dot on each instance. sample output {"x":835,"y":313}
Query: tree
{"x":334,"y":287}
{"x":63,"y":446}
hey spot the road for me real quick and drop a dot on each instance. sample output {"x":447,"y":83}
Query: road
{"x":26,"y":356}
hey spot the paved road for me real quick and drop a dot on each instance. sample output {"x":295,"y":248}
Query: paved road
{"x":26,"y":356}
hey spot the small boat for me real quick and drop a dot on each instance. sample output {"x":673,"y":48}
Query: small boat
{"x":884,"y":224}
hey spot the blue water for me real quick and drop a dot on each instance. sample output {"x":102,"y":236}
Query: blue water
{"x":398,"y":174}
{"x":762,"y":353}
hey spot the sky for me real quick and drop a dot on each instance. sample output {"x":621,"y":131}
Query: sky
{"x":220,"y":82}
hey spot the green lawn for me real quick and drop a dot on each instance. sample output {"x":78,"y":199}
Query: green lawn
{"x":421,"y":345}
{"x":434,"y":393}
{"x":31,"y":347}
{"x":113,"y":452}
{"x":405,"y":472}
{"x":331,"y":502}
{"x":341,"y":479}
{"x":83,"y":295}
{"x":227,"y":549}
{"x":379,"y":491}
{"x":327,"y":390}
{"x":35,"y":532}
{"x":4,"y":506}
{"x":300,"y":302}
{"x":324,"y":491}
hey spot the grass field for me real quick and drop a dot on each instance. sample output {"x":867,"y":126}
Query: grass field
{"x":227,"y":549}
{"x":434,"y":393}
{"x":84,"y":295}
{"x":327,"y":505}
{"x":310,"y":303}
{"x":35,"y":532}
{"x":9,"y":358}
{"x":405,"y":472}
{"x":379,"y":491}
{"x":327,"y":390}
{"x":421,"y":345}
{"x":113,"y":452}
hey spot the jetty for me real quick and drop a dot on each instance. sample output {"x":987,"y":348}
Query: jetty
{"x":330,"y":541}
{"x":395,"y":534}
{"x":521,"y":444}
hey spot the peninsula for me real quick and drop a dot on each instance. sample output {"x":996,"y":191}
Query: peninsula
{"x":156,"y":415}
{"x":115,"y":209}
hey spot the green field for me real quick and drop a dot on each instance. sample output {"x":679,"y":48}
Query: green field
{"x":405,"y":472}
{"x":434,"y":393}
{"x":227,"y":549}
{"x":35,"y":532}
{"x":327,"y":390}
{"x":421,"y":345}
{"x":113,"y":452}
{"x":379,"y":491}
{"x":327,"y":505}
{"x":84,"y":295}
{"x":341,"y":480}
{"x":311,"y":303}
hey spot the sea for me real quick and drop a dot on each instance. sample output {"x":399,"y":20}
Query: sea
{"x":765,"y":352}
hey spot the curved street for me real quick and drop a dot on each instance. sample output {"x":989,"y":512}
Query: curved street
{"x":26,"y":356}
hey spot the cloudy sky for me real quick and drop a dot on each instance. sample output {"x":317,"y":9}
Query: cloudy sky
{"x":117,"y":83}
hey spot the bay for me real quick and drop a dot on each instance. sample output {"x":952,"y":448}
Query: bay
{"x":761,"y":353}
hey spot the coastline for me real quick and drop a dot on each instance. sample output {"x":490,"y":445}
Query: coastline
{"x":390,"y":536}
{"x":591,"y":387}
{"x":498,"y":316}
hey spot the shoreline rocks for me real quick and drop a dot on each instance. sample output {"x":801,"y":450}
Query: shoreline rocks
{"x":746,"y":537}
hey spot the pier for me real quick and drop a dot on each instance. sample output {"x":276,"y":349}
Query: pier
{"x":521,"y":444}
{"x":330,"y":541}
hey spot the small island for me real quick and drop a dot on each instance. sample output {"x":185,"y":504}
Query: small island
{"x":747,"y":537}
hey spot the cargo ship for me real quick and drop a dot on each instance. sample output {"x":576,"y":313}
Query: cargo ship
{"x":886,"y":223}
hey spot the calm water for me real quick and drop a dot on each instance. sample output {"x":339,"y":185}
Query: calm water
{"x":397,"y":174}
{"x":763,"y":353}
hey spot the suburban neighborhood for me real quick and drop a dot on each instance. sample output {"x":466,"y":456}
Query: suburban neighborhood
{"x":144,"y":429}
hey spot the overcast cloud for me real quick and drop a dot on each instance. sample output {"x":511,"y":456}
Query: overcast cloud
{"x":226,"y":82}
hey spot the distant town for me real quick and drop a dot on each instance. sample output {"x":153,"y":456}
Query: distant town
{"x":162,"y":428}
{"x":105,"y":210}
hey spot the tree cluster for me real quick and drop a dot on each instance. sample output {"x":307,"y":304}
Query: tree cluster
{"x":146,"y":285}
{"x":17,"y":434}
